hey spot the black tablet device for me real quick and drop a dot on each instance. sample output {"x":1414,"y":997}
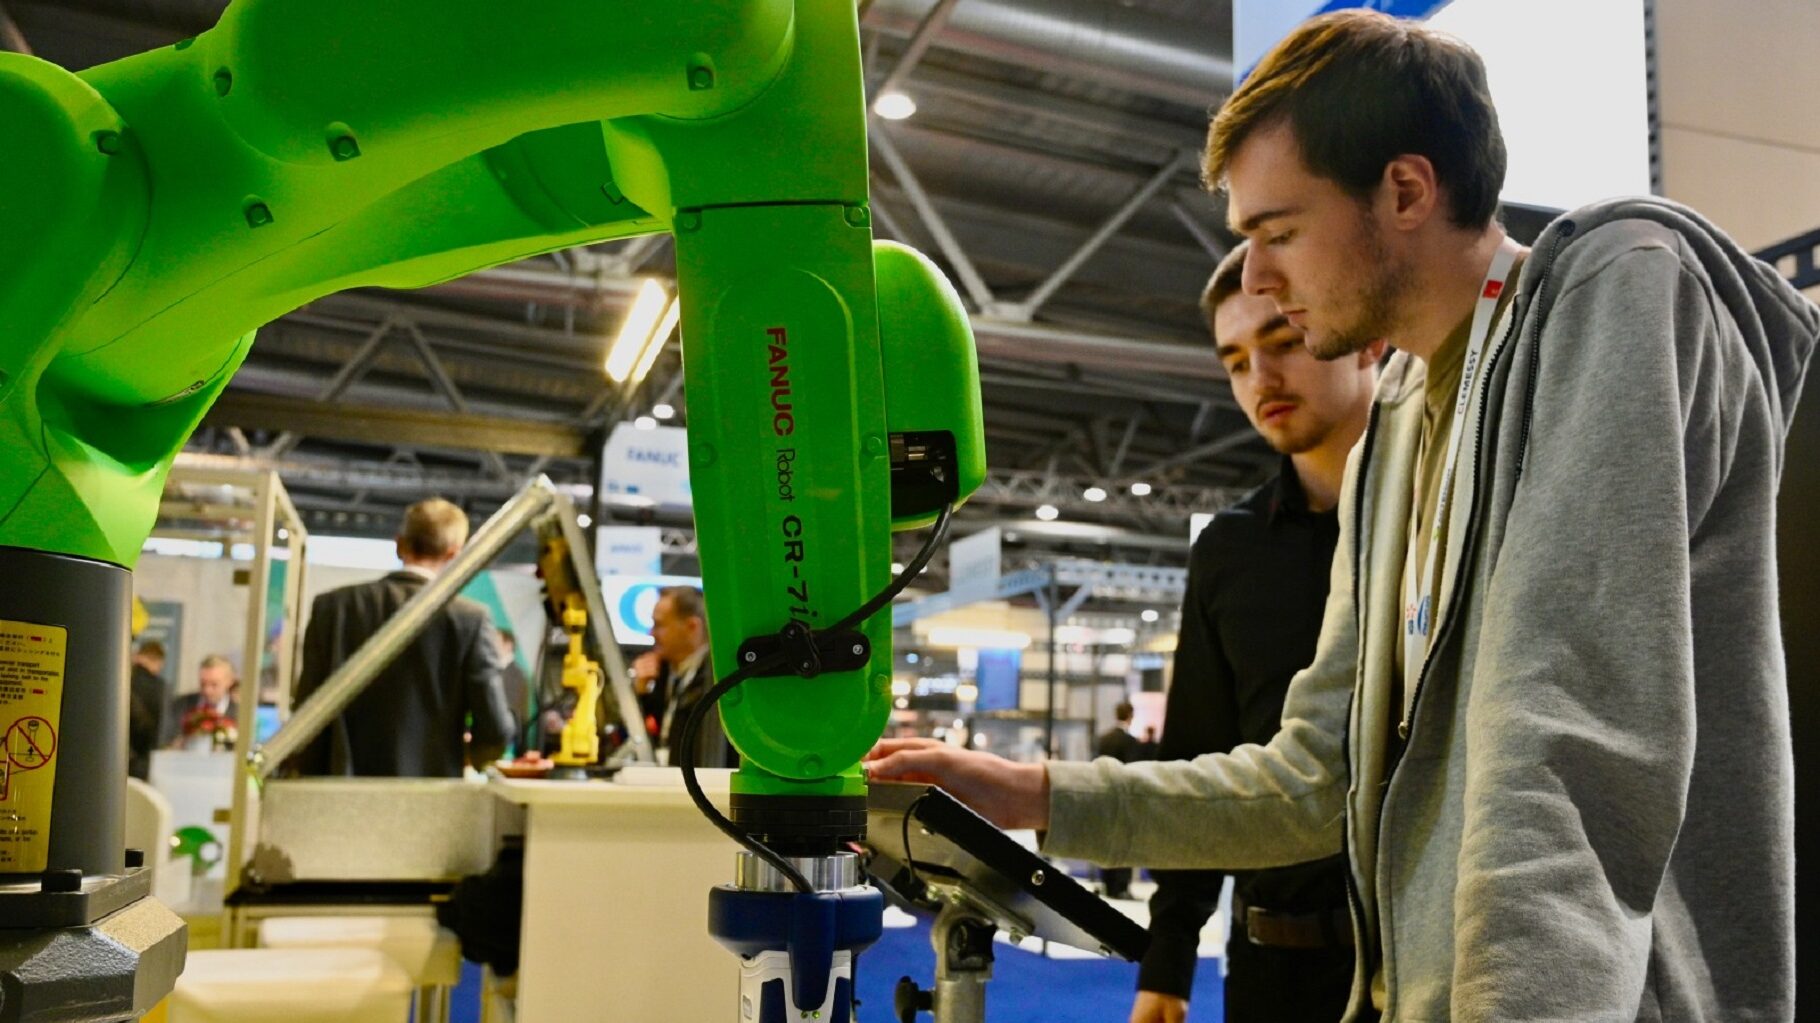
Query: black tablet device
{"x":925,"y":845}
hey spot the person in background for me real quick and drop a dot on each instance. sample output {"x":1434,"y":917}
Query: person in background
{"x":1257,"y":584}
{"x":677,"y":672}
{"x":517,"y":688}
{"x":440,"y":704}
{"x":1118,"y":743}
{"x":211,"y":709}
{"x":145,"y":708}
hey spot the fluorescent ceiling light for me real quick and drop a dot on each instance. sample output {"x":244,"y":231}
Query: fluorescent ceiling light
{"x":894,"y":106}
{"x":639,"y":333}
{"x":987,"y":639}
{"x":1140,"y":490}
{"x":1047,"y":512}
{"x":663,"y":411}
{"x":644,"y":423}
{"x":1094,"y":494}
{"x":662,"y":336}
{"x":1149,"y":614}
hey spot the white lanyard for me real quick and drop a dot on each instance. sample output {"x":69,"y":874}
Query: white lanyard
{"x":1418,"y":596}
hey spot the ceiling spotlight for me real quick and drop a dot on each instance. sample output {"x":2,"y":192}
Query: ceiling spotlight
{"x":894,"y":106}
{"x":644,"y":423}
{"x":1094,"y":494}
{"x":1149,"y":614}
{"x":1140,"y":490}
{"x":647,"y":325}
{"x":897,"y":568}
{"x":584,"y":520}
{"x":665,"y":411}
{"x":283,"y":533}
{"x":1047,"y":512}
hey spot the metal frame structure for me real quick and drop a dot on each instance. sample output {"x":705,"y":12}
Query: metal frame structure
{"x":270,"y":511}
{"x":1797,"y":259}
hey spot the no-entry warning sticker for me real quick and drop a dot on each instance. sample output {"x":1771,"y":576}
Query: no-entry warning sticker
{"x":31,"y":702}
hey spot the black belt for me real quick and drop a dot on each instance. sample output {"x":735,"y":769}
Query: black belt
{"x":1272,"y":929}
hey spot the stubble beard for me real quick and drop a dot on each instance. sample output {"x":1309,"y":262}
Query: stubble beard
{"x":1379,"y":295}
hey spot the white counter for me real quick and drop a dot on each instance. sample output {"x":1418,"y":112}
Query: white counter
{"x":616,"y":900}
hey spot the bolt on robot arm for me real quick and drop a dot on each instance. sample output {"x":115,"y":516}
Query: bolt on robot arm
{"x":162,"y":208}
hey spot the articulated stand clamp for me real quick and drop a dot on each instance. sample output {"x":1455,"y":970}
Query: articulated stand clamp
{"x":933,"y":853}
{"x":962,"y":937}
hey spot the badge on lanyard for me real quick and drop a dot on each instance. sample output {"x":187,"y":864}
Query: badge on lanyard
{"x":1419,"y":595}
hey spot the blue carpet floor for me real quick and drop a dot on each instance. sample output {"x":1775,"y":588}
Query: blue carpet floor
{"x":1026,"y":987}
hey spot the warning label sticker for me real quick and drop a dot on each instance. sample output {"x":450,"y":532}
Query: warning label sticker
{"x":31,"y":703}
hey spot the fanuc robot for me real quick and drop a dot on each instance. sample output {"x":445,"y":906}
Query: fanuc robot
{"x":156,"y":211}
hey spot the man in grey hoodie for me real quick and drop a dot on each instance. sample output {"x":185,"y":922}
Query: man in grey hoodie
{"x":1547,"y":717}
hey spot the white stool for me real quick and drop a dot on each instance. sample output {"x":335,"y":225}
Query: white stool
{"x":292,"y":985}
{"x":429,"y":955}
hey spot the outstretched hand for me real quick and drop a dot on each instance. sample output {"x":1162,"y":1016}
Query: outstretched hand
{"x":1010,"y":795}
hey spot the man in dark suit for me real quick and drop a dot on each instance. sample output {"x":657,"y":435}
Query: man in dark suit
{"x":674,"y":676}
{"x":440,"y":704}
{"x":145,"y":708}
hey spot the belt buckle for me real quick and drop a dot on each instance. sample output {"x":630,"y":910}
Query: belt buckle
{"x":1256,"y":931}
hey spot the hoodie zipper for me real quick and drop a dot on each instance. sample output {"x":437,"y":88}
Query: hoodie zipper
{"x":1444,"y":629}
{"x":1529,"y":398}
{"x":1355,"y":906}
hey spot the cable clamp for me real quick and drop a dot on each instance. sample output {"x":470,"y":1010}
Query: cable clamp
{"x":805,"y":652}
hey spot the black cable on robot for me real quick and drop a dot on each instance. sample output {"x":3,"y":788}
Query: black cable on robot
{"x":770,"y":665}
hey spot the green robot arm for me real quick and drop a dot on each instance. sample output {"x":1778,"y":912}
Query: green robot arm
{"x":164,"y":207}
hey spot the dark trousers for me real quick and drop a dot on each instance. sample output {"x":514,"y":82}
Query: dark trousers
{"x":1117,"y":881}
{"x":1286,"y":985}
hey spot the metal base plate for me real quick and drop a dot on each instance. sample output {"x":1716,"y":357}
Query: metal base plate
{"x":26,"y":905}
{"x":115,"y":968}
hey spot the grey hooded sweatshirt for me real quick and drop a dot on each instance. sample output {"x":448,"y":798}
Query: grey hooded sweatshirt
{"x":1592,"y":816}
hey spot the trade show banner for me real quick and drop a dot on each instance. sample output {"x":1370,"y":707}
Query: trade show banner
{"x":648,"y":467}
{"x":629,"y":550}
{"x":630,"y":600}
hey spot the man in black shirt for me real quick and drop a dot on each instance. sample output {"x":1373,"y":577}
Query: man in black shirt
{"x":1257,"y":585}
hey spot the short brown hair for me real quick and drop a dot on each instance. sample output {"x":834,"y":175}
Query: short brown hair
{"x":687,"y":600}
{"x":151,"y":648}
{"x":1359,"y":89}
{"x":433,"y":528}
{"x":1228,"y":280}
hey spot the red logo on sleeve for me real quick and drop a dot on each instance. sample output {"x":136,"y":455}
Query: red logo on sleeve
{"x":1494,"y":288}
